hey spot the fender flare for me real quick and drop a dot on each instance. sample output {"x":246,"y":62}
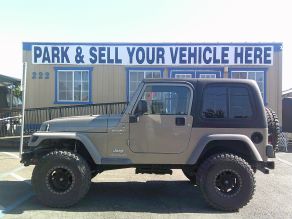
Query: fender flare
{"x":222,"y":137}
{"x":41,"y":136}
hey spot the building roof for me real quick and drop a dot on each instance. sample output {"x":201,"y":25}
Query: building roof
{"x":7,"y":80}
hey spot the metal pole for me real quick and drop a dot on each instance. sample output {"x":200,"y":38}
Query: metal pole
{"x":23,"y":87}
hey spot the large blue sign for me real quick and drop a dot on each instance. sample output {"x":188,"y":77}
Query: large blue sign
{"x":152,"y":54}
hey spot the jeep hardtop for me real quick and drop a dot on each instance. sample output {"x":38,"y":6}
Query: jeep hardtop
{"x":214,"y":130}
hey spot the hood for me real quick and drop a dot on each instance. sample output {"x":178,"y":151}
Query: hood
{"x":92,"y":123}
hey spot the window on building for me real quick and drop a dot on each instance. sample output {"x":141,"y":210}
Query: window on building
{"x":207,"y":75}
{"x":136,"y":76}
{"x":73,"y":86}
{"x":258,"y":76}
{"x":182,"y":76}
{"x":224,"y":102}
{"x":194,"y":73}
{"x":167,"y":100}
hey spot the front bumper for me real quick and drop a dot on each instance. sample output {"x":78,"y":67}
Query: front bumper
{"x":32,"y":156}
{"x":28,"y":158}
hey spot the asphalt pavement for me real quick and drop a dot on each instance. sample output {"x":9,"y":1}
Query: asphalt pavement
{"x":123,"y":194}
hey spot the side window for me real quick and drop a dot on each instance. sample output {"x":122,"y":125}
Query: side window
{"x":215,"y":103}
{"x":167,"y":100}
{"x":226,"y":103}
{"x":240,"y":106}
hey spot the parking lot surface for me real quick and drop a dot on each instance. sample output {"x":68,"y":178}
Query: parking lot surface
{"x":123,"y":194}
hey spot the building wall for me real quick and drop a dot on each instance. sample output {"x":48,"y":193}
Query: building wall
{"x":109,"y":82}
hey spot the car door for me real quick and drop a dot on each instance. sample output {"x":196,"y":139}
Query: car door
{"x":167,"y":124}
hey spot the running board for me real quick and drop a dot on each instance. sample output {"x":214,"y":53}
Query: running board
{"x":153,"y":170}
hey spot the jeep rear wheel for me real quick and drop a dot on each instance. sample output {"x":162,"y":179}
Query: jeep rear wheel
{"x":226,"y":181}
{"x":61,"y":179}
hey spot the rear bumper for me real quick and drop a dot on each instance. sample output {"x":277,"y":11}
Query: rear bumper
{"x":266,"y":166}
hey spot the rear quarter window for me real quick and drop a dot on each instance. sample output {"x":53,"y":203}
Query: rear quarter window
{"x":240,"y":106}
{"x":226,"y":102}
{"x":215,"y":103}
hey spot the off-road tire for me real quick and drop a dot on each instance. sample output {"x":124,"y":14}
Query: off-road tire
{"x":76,"y":167}
{"x":273,"y":128}
{"x":190,"y":175}
{"x":283,"y":142}
{"x":212,"y":168}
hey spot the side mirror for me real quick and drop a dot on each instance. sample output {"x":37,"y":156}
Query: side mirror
{"x":141,"y":108}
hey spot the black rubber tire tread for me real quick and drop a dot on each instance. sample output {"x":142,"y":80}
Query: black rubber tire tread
{"x":80,"y":170}
{"x":191,"y":177}
{"x":223,"y":161}
{"x":283,"y":142}
{"x":273,"y":128}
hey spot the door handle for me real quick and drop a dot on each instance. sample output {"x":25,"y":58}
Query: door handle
{"x":180,"y":121}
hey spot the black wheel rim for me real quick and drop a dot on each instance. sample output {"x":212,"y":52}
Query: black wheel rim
{"x":228,"y":182}
{"x":60,"y":179}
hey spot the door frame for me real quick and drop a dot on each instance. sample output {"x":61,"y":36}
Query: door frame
{"x":186,"y":84}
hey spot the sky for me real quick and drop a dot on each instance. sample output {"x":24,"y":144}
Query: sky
{"x":142,"y":21}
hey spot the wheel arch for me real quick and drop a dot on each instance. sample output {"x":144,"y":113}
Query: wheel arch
{"x":213,"y":144}
{"x":70,"y":141}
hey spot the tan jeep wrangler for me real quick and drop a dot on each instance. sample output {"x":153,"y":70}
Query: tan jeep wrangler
{"x":214,"y":130}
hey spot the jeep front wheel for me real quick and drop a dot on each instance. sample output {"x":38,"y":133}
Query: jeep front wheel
{"x":226,"y":181}
{"x":61,"y":179}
